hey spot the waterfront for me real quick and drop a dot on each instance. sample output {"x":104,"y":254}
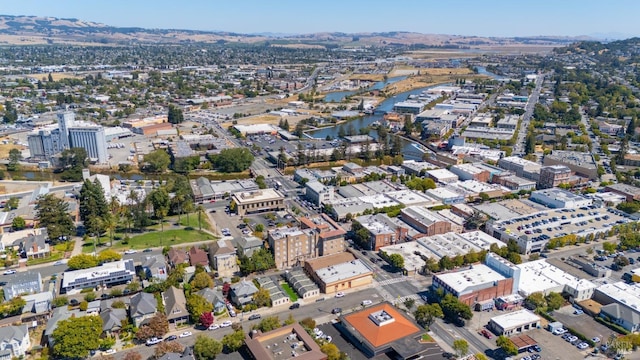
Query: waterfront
{"x":338,"y":96}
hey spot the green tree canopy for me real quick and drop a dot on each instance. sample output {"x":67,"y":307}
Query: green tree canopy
{"x":175,"y":115}
{"x":234,"y":341}
{"x":157,"y":161}
{"x":15,"y":155}
{"x":206,"y":348}
{"x":82,"y":261}
{"x":461,"y":347}
{"x":53,"y":214}
{"x":453,"y":308}
{"x":233,"y":160}
{"x":201,"y":280}
{"x":267,"y":324}
{"x":554,"y":301}
{"x":18,"y":223}
{"x":197,"y":305}
{"x":507,"y":345}
{"x":426,"y":314}
{"x":396,"y":260}
{"x":75,"y":337}
{"x":93,"y":206}
{"x":72,"y":161}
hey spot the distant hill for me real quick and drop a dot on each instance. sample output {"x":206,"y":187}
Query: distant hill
{"x":33,"y":30}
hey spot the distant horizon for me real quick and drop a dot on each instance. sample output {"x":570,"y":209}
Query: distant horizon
{"x":492,"y":18}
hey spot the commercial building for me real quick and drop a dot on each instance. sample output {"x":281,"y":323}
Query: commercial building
{"x":508,"y":122}
{"x":330,"y":235}
{"x":558,"y":198}
{"x":318,"y":193}
{"x":470,"y":172}
{"x":249,"y":202}
{"x":382,"y":231}
{"x":514,"y":322}
{"x":44,"y":143}
{"x":442,"y":176}
{"x":554,"y":175}
{"x":474,"y":285}
{"x":287,"y":342}
{"x":382,"y":329}
{"x":425,"y":221}
{"x":521,"y":167}
{"x":291,"y":246}
{"x":112,"y":273}
{"x":621,"y":304}
{"x":513,"y":182}
{"x":90,"y":137}
{"x":206,"y":190}
{"x":257,"y":129}
{"x":339,"y":272}
{"x":446,"y":196}
{"x":630,"y":193}
{"x":476,"y":132}
{"x":582,"y":163}
{"x":409,"y":107}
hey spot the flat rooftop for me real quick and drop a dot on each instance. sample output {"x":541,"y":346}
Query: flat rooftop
{"x":442,"y":174}
{"x":516,"y":318}
{"x":470,"y":279}
{"x":104,"y":271}
{"x":582,"y":159}
{"x":285,"y":343}
{"x":627,"y":294}
{"x":343,"y":271}
{"x":539,"y":276}
{"x":257,"y":195}
{"x":380,"y":333}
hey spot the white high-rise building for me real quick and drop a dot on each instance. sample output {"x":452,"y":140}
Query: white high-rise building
{"x":91,"y":138}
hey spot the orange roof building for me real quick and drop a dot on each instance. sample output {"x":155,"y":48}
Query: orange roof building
{"x":383,"y":329}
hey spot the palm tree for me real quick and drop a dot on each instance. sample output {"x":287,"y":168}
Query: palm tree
{"x":110,"y":223}
{"x":200,"y":211}
{"x":188,"y":208}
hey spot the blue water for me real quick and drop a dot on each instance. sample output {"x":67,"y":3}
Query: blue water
{"x":483,"y":71}
{"x":338,"y":96}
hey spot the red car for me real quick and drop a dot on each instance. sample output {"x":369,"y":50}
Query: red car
{"x":486,"y":333}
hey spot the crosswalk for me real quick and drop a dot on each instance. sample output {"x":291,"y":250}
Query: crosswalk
{"x":392,"y":281}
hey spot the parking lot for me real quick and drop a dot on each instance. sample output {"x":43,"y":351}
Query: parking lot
{"x":582,"y":323}
{"x":554,"y":347}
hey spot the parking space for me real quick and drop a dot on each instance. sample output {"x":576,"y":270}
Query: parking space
{"x":554,"y":347}
{"x":342,"y":343}
{"x":582,"y":323}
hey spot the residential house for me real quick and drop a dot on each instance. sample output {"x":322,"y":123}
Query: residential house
{"x":247,"y":245}
{"x":143,"y":307}
{"x":214,"y":297}
{"x":222,"y":256}
{"x":22,"y":283}
{"x":198,"y":256}
{"x":175,"y":306}
{"x":276,"y":294}
{"x":177,"y":256}
{"x":242,"y":292}
{"x":34,"y":245}
{"x":155,"y":267}
{"x":14,"y":342}
{"x":112,"y":320}
{"x":37,"y":308}
{"x":58,"y":314}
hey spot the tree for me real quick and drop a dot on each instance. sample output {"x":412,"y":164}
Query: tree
{"x":200,"y":211}
{"x":409,"y":302}
{"x":396,"y":260}
{"x":72,"y":161}
{"x":267,"y":324}
{"x":53,"y":214}
{"x":453,"y":308}
{"x":201,"y":280}
{"x":609,"y":247}
{"x":132,"y":355}
{"x":108,"y":255}
{"x":197,"y":305}
{"x":537,"y":299}
{"x":159,"y":325}
{"x":93,"y":206}
{"x":332,"y":351}
{"x":15,"y":155}
{"x":157,"y":161}
{"x":507,"y":345}
{"x":206,"y":319}
{"x":18,"y":223}
{"x":481,"y":356}
{"x":76,"y":336}
{"x":426,"y":314}
{"x":262,"y":297}
{"x":206,"y":348}
{"x":12,"y":307}
{"x":233,"y":160}
{"x":234,"y":341}
{"x":308,"y":323}
{"x":461,"y":347}
{"x":82,"y":261}
{"x":175,"y":115}
{"x":554,"y":301}
{"x":167,"y":347}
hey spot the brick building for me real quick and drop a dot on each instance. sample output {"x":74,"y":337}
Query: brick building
{"x":473,"y":285}
{"x":425,"y":221}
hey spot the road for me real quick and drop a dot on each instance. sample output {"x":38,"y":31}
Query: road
{"x":319,"y":311}
{"x":518,"y":147}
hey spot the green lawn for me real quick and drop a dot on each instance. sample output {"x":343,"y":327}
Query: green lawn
{"x":193,"y":221}
{"x":54,"y":257}
{"x":427,"y":338}
{"x":290,"y":292}
{"x":168,"y":237}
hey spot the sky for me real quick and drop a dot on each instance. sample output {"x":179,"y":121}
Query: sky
{"x":612,"y":18}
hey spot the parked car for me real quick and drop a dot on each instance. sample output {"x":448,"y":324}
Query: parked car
{"x":255,"y":317}
{"x":336,"y":311}
{"x":582,"y":345}
{"x":578,"y":312}
{"x":214,"y":327}
{"x":226,"y":323}
{"x":153,"y":341}
{"x":9,"y":272}
{"x":147,"y":250}
{"x":366,"y":302}
{"x":559,"y":331}
{"x":294,"y":306}
{"x":186,"y":334}
{"x":170,"y":338}
{"x":486,"y":333}
{"x":595,"y":339}
{"x":339,"y":294}
{"x":130,"y":252}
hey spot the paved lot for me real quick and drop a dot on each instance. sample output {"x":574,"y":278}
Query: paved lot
{"x":582,"y":323}
{"x":554,"y":347}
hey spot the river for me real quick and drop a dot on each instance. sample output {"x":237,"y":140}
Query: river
{"x":338,"y":96}
{"x":385,"y":106}
{"x":483,"y":71}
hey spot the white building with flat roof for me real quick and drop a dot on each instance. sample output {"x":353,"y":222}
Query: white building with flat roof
{"x":514,"y":322}
{"x":540,"y":276}
{"x":557,"y":198}
{"x":472,"y":279}
{"x":111,"y":273}
{"x":445,"y":196}
{"x":443,"y":176}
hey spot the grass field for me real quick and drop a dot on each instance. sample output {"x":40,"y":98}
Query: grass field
{"x":168,"y":237}
{"x":193,"y":221}
{"x":292,"y":294}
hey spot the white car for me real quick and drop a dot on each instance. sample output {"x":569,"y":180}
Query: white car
{"x":130,"y":252}
{"x":328,"y":338}
{"x":582,"y":345}
{"x":366,"y":302}
{"x":60,"y":262}
{"x":214,"y":327}
{"x":110,"y":351}
{"x":339,"y":294}
{"x":9,"y":272}
{"x":226,"y":324}
{"x":186,"y":334}
{"x":153,"y":341}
